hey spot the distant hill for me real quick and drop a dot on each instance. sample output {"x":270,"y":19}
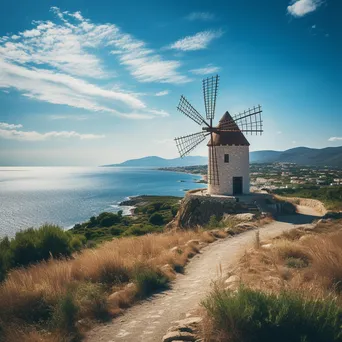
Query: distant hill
{"x":329,"y":156}
{"x":154,"y":161}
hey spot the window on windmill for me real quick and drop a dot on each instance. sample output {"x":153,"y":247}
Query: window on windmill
{"x":226,"y":158}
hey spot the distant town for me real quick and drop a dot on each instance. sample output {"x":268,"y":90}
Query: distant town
{"x":273,"y":176}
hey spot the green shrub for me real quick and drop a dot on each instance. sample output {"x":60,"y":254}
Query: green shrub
{"x":53,"y":241}
{"x":6,"y":257}
{"x":77,"y":242}
{"x":250,"y":315}
{"x":108,"y":219}
{"x":156,"y":219}
{"x":149,"y":281}
{"x":31,"y":246}
{"x":213,"y":221}
{"x":65,"y":314}
{"x":116,"y":231}
{"x":92,"y":301}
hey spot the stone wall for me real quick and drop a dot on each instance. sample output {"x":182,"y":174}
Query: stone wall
{"x":197,"y":210}
{"x":307,"y":202}
{"x":238,"y":166}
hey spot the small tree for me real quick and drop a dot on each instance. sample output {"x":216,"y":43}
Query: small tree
{"x":156,"y":219}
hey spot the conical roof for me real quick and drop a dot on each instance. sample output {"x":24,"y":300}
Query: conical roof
{"x":228,"y":138}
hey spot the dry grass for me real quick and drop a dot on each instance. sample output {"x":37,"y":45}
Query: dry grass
{"x":30,"y":296}
{"x":304,"y":265}
{"x":300,"y":260}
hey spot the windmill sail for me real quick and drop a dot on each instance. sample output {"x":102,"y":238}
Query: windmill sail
{"x":187,"y":109}
{"x":187,"y":143}
{"x":210,"y":86}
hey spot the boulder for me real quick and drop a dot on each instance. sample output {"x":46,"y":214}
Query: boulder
{"x":240,"y":217}
{"x":178,"y":336}
{"x":232,"y":282}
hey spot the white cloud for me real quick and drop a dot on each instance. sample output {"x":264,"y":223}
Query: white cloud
{"x":199,"y":41}
{"x":162,"y":93}
{"x":313,"y":26}
{"x":294,"y":142}
{"x":279,"y":132}
{"x":57,"y":88}
{"x":143,"y":63}
{"x":335,"y":138}
{"x":68,"y":117}
{"x":302,"y":7}
{"x":54,"y":61}
{"x":5,"y":125}
{"x":8,"y":131}
{"x":209,"y":69}
{"x":204,"y":16}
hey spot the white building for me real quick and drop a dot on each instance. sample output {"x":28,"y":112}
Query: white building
{"x":232,"y":157}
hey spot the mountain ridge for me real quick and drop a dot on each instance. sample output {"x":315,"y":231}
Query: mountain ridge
{"x":328,"y":156}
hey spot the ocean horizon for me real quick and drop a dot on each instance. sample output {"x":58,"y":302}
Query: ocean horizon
{"x":32,"y":196}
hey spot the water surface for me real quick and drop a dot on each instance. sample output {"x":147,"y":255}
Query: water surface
{"x":31,"y":196}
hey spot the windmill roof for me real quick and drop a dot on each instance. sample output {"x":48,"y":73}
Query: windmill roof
{"x":228,"y":138}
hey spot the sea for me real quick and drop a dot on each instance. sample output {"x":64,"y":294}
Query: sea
{"x":32,"y":196}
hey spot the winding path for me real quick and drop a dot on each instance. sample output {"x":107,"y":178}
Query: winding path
{"x":149,"y":320}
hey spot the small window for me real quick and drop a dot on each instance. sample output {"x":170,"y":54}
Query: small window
{"x":226,"y":158}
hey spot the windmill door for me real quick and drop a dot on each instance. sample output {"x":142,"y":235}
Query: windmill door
{"x":237,"y":186}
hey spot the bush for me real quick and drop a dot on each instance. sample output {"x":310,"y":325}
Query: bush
{"x":149,"y":281}
{"x":30,"y":246}
{"x":250,"y":315}
{"x":108,"y":219}
{"x":213,"y":221}
{"x":92,"y":301}
{"x":65,"y":314}
{"x":77,"y":242}
{"x":156,"y":219}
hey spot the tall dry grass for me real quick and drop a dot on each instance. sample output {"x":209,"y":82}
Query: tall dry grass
{"x":30,"y":298}
{"x":308,"y":260}
{"x":290,"y":289}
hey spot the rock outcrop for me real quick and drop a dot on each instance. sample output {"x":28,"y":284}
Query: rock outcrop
{"x":197,"y":210}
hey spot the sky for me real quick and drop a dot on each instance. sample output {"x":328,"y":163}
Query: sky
{"x":86,"y":82}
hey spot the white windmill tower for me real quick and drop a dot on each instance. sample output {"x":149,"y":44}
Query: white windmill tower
{"x":228,"y":148}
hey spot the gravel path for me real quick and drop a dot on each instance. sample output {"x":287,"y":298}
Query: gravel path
{"x":149,"y":320}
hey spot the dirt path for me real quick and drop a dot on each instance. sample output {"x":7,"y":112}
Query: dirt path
{"x":149,"y":320}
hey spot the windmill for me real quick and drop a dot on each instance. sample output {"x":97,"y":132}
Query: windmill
{"x":228,"y":148}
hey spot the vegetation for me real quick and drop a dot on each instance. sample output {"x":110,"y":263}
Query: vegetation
{"x":250,"y":315}
{"x":57,"y":299}
{"x":33,"y":245}
{"x":149,"y":216}
{"x":330,"y":196}
{"x":291,"y":290}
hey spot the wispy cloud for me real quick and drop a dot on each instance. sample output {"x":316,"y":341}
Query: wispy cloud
{"x":8,"y":131}
{"x":209,"y":69}
{"x":203,"y":16}
{"x":5,"y":125}
{"x":199,"y":41}
{"x":299,"y":8}
{"x":68,"y":117}
{"x":335,"y":139}
{"x":54,"y":62}
{"x":162,"y":93}
{"x":279,"y":132}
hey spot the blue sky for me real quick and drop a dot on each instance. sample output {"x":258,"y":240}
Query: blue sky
{"x":92,"y":82}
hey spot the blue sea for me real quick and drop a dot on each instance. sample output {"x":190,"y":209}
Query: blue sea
{"x":31,"y":196}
